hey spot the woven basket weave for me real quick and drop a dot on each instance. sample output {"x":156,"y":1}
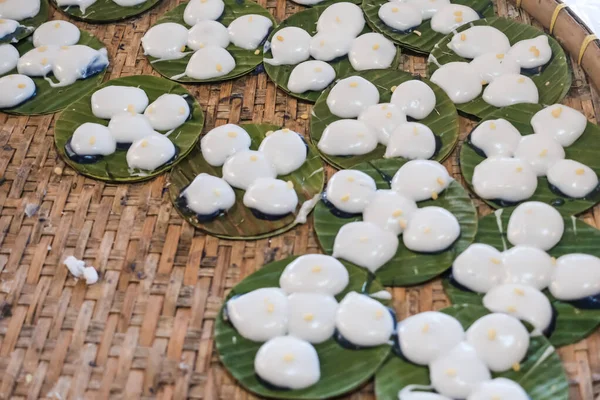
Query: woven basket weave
{"x":145,"y":331}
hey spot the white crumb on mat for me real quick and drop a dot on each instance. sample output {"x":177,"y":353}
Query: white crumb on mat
{"x":78,"y":269}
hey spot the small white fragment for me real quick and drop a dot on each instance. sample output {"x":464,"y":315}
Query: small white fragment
{"x":91,"y":275}
{"x":31,"y":209}
{"x":75,"y":266}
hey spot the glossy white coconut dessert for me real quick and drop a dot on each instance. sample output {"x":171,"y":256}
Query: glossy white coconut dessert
{"x":57,"y":33}
{"x":8,"y":27}
{"x":350,"y":191}
{"x":576,"y":276}
{"x":289,"y":46}
{"x":208,"y":195}
{"x":249,"y":31}
{"x":496,"y":137}
{"x":411,"y":140}
{"x":510,"y":89}
{"x":222,"y":142}
{"x":166,"y":41}
{"x":310,"y":75}
{"x":312,"y":316}
{"x":329,"y":45}
{"x":365,"y":244}
{"x":431,"y":230}
{"x":532,"y":53}
{"x":246,"y":166}
{"x":478,"y":40}
{"x":15,"y":89}
{"x":529,"y":266}
{"x":111,"y":101}
{"x":402,"y":17}
{"x":208,"y":63}
{"x":314,"y":273}
{"x":412,"y":392}
{"x":573,"y":178}
{"x":540,"y":151}
{"x":415,"y":98}
{"x":346,"y":18}
{"x":459,"y":80}
{"x":38,"y":61}
{"x":150,"y":153}
{"x":128,"y":127}
{"x":91,"y":139}
{"x":347,"y":137}
{"x":428,"y":8}
{"x":363,"y":321}
{"x":428,"y":335}
{"x":76,"y":62}
{"x":271,"y":197}
{"x":81,"y":4}
{"x":351,"y":96}
{"x":9,"y":57}
{"x":390,"y":211}
{"x":479,"y":268}
{"x":421,"y":180}
{"x":19,"y":9}
{"x":168,"y":112}
{"x":503,"y":178}
{"x":451,"y":16}
{"x":285,"y":149}
{"x":208,"y":33}
{"x":563,"y":123}
{"x":383,"y":119}
{"x":259,"y":315}
{"x":500,"y":387}
{"x":203,"y":10}
{"x":371,"y":51}
{"x":490,"y":66}
{"x":535,"y":224}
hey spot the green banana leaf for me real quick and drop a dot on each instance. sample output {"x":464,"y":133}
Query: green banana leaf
{"x":114,"y":168}
{"x":245,"y":60}
{"x":584,"y":150}
{"x":239,"y":222}
{"x":443,"y":120}
{"x":422,"y":39}
{"x":103,"y":11}
{"x":307,"y":20}
{"x":28,"y":25}
{"x":48,"y":99}
{"x":342,"y":370}
{"x":328,"y":3}
{"x":407,"y":267}
{"x":572,"y":324}
{"x":553,"y":83}
{"x":541,"y":374}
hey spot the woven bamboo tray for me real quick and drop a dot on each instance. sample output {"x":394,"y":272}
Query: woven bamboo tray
{"x":146,"y":330}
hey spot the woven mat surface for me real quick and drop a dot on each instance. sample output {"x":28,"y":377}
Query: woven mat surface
{"x":146,"y":330}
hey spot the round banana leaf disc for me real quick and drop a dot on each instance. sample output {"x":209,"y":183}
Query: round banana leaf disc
{"x":47,"y":99}
{"x":307,"y":20}
{"x":443,"y":120}
{"x":342,"y":370}
{"x":422,"y":39}
{"x":553,"y":82}
{"x":114,"y":168}
{"x":327,"y":3}
{"x":239,"y":222}
{"x":103,"y":11}
{"x":28,"y":25}
{"x":245,"y":60}
{"x":407,"y":267}
{"x":572,"y":324}
{"x":541,"y":374}
{"x":584,"y":150}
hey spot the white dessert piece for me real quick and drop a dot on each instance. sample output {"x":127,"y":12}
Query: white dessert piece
{"x":168,"y":112}
{"x":19,"y":9}
{"x":383,"y":119}
{"x":573,"y":178}
{"x":15,"y":89}
{"x":346,"y":18}
{"x":351,"y":96}
{"x":535,"y":224}
{"x":428,"y":8}
{"x":128,"y":3}
{"x":452,"y":16}
{"x":459,"y":80}
{"x":431,"y":229}
{"x":312,"y":316}
{"x":347,"y":137}
{"x":56,"y":33}
{"x":528,"y":266}
{"x":249,"y":31}
{"x":371,"y":51}
{"x":128,"y":127}
{"x":208,"y":195}
{"x":426,"y":336}
{"x":111,"y":101}
{"x":350,"y":190}
{"x":500,"y":340}
{"x":508,"y":179}
{"x":532,"y":53}
{"x":563,"y":123}
{"x":289,"y":46}
{"x":246,"y":166}
{"x":364,"y":321}
{"x":82,"y":4}
{"x":510,"y":89}
{"x":285,"y":149}
{"x":400,"y":16}
{"x":288,"y":362}
{"x":8,"y":27}
{"x":409,"y":393}
{"x":479,"y":268}
{"x":421,"y":180}
{"x":310,"y":75}
{"x":490,"y":66}
{"x":415,"y":98}
{"x":91,"y":139}
{"x":203,"y":10}
{"x":500,"y":387}
{"x":150,"y":153}
{"x":9,"y":57}
{"x":77,"y":62}
{"x":166,"y":41}
{"x":411,"y":140}
{"x":576,"y":276}
{"x":38,"y":61}
{"x":271,"y":196}
{"x":329,"y":45}
{"x":365,"y":244}
{"x":207,"y":33}
{"x":540,"y":151}
{"x":390,"y":211}
{"x":222,"y":142}
{"x":478,"y":40}
{"x":523,"y":302}
{"x":496,"y":138}
{"x":259,"y":315}
{"x":209,"y":62}
{"x":314,"y":273}
{"x":458,"y":372}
